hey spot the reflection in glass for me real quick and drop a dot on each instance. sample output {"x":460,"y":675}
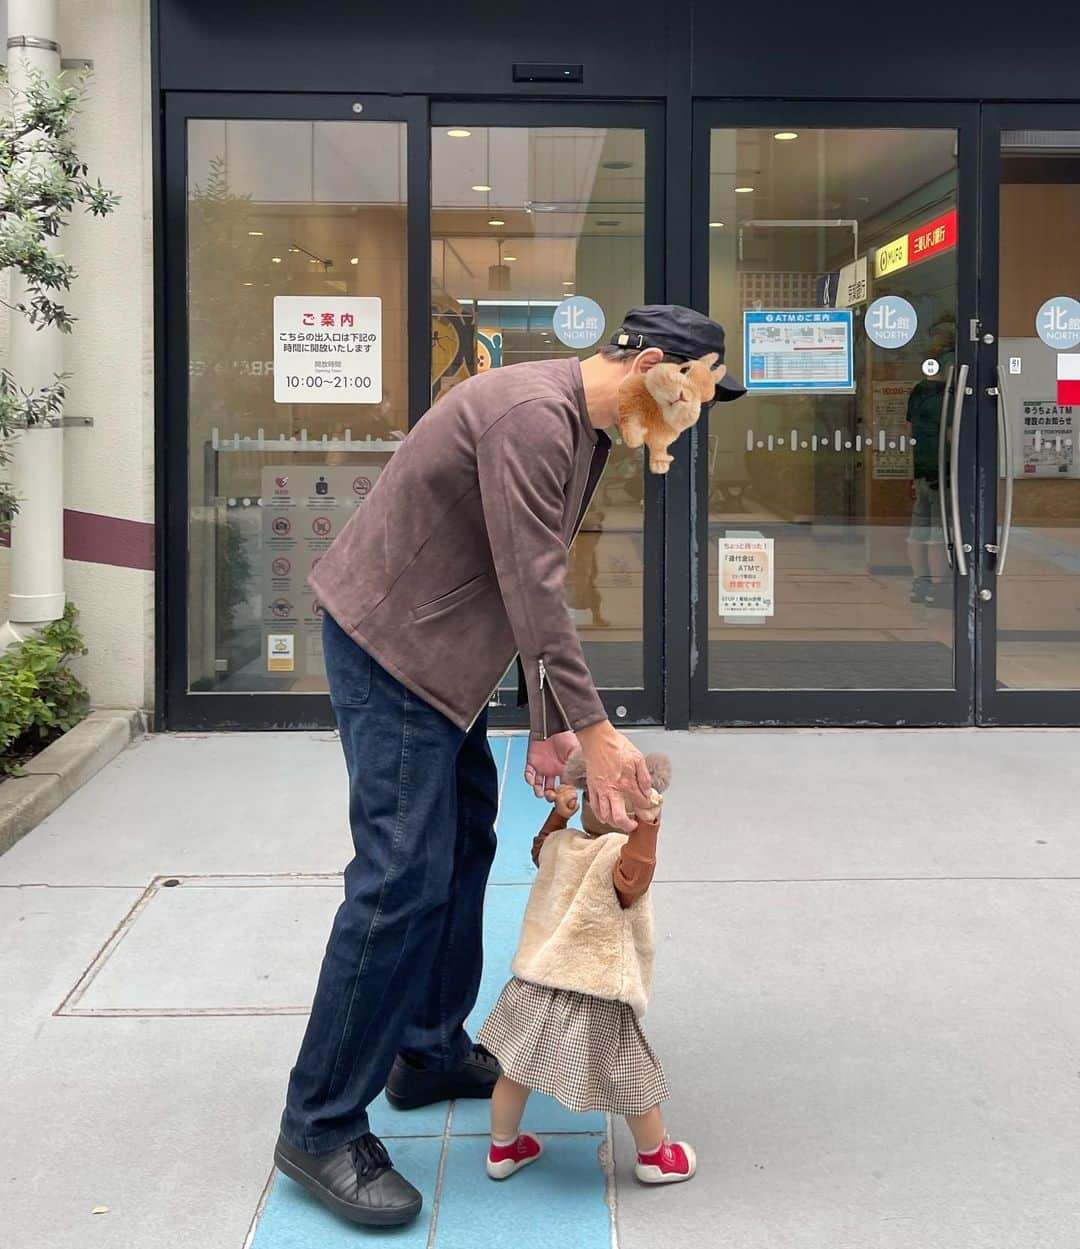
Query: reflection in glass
{"x":1038,"y":592}
{"x":280,"y":208}
{"x":521,"y":218}
{"x":843,"y":484}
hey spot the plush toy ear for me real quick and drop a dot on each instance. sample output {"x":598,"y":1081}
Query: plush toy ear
{"x":574,"y":770}
{"x":660,"y":770}
{"x":711,"y":360}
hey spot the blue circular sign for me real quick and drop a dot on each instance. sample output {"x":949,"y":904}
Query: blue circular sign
{"x":1057,"y":322}
{"x":891,"y":322}
{"x":578,"y":322}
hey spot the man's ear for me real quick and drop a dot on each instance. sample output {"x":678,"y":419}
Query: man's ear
{"x":646,"y":359}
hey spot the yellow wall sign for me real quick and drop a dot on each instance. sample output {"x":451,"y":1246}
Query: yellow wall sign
{"x":892,"y":256}
{"x":280,"y":652}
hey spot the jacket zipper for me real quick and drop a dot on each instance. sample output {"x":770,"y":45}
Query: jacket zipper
{"x":558,"y":702}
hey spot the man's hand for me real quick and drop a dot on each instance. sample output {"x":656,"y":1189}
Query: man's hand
{"x":545,"y":763}
{"x":613,"y":767}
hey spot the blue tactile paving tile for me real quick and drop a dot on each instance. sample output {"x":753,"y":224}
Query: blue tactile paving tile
{"x":557,"y":1202}
{"x":503,"y":909}
{"x":292,"y":1219}
{"x":565,"y":1191}
{"x":390,"y":1123}
{"x":521,"y":814}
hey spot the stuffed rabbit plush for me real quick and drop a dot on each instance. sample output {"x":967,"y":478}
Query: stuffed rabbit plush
{"x":655,"y":407}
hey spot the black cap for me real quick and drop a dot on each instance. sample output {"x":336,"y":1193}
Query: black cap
{"x":679,"y":332}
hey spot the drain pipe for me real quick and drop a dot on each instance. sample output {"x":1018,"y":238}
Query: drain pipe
{"x":35,"y":357}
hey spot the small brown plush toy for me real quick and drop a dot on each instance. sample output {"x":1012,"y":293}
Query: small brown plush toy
{"x":659,"y":767}
{"x":655,"y":407}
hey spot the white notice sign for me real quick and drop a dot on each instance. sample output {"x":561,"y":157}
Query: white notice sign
{"x":327,"y":349}
{"x":305,"y":507}
{"x":746,"y":576}
{"x":851,"y":286}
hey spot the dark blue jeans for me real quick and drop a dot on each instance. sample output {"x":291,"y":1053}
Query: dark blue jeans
{"x":402,"y":966}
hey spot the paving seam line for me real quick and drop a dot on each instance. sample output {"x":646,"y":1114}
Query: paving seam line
{"x":436,"y":1198}
{"x":253,"y":1226}
{"x":75,"y":993}
{"x":611,"y":1191}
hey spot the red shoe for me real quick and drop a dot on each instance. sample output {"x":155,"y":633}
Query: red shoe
{"x":671,"y":1164}
{"x":504,"y":1160}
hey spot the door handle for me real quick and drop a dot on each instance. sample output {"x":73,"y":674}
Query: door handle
{"x":959,"y":545}
{"x":943,"y":481}
{"x":1005,"y":455}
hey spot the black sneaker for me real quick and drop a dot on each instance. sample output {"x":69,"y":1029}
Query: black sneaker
{"x":412,"y":1085}
{"x":357,"y":1181}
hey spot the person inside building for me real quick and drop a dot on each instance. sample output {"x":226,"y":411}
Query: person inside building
{"x":456,"y":561}
{"x":931,"y":585}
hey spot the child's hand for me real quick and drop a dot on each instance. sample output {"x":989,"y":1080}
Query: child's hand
{"x":566,"y":801}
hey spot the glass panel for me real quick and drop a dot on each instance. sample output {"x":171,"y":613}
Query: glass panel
{"x":521,"y":219}
{"x":301,"y":209}
{"x":825,"y":477}
{"x":1038,"y":593}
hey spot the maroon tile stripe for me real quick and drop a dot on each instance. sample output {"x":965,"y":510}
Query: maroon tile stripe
{"x":94,"y":539}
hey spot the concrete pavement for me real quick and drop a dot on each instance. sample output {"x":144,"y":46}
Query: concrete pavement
{"x":866,"y":1002}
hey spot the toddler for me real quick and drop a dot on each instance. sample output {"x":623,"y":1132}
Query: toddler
{"x":568,"y":1022}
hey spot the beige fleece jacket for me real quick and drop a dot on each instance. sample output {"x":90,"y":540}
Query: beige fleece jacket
{"x":576,"y":934}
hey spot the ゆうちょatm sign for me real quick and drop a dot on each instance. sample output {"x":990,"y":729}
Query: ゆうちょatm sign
{"x":917,"y":245}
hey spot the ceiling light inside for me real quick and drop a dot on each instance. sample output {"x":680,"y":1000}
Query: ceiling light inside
{"x":481,"y":186}
{"x":785,"y":136}
{"x":354,"y":260}
{"x":275,"y":260}
{"x":507,"y":258}
{"x":458,"y":134}
{"x":496,"y":221}
{"x":255,"y":234}
{"x":743,"y":190}
{"x":716,"y":225}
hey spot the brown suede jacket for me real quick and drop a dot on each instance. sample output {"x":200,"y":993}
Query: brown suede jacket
{"x":457,"y":559}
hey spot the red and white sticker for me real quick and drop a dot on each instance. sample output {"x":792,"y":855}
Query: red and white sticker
{"x":1068,"y":378}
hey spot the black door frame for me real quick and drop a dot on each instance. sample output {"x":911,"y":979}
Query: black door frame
{"x":891,"y":708}
{"x":209,"y":710}
{"x":644,"y":705}
{"x":1003,"y":706}
{"x":202,"y":711}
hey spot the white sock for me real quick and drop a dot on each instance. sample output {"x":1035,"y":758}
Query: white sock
{"x":655,"y":1149}
{"x":503,"y":1142}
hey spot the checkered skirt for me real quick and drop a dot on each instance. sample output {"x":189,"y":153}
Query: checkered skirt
{"x":587,"y":1052}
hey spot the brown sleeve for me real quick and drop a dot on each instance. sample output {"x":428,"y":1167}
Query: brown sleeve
{"x":552,"y":824}
{"x":523,"y":463}
{"x":636,"y":864}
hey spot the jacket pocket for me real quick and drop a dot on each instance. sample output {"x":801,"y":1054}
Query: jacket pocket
{"x":453,"y":598}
